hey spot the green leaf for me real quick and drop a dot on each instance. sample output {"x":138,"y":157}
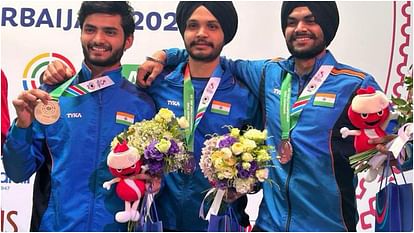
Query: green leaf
{"x":398,"y":101}
{"x":362,"y":168}
{"x":406,"y":108}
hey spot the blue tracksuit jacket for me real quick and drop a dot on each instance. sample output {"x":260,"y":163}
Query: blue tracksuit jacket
{"x":315,"y":189}
{"x":179,"y":201}
{"x":316,"y":192}
{"x":69,"y":157}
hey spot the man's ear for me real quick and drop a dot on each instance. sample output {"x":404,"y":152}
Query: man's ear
{"x":129,"y":41}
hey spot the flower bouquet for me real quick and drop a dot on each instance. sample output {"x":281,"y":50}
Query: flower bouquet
{"x":160,"y":141}
{"x":154,"y":147}
{"x":237,"y":160}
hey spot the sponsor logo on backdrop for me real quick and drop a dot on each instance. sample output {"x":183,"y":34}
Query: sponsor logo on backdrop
{"x":67,"y":19}
{"x":7,"y":220}
{"x":36,"y":66}
{"x":129,"y":71}
{"x":6,"y":180}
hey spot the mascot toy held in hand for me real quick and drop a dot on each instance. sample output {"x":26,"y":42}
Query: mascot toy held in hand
{"x":124,"y":162}
{"x":369,"y":113}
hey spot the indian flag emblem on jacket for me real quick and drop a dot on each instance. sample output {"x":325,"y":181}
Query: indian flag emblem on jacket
{"x":220,"y":107}
{"x":324,"y":100}
{"x":124,"y":118}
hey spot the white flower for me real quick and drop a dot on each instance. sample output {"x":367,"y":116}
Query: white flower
{"x":235,"y":132}
{"x":249,"y":144}
{"x":243,"y":185}
{"x":247,"y":157}
{"x":237,"y":148}
{"x":183,"y":123}
{"x":226,"y":153}
{"x":226,"y":173}
{"x":163,"y":146}
{"x":262,"y":174}
{"x":164,"y":114}
{"x":246,"y":166}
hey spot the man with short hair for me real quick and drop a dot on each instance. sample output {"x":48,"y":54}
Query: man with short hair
{"x":69,"y":156}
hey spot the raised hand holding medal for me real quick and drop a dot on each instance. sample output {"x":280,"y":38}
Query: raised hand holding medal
{"x":25,"y":104}
{"x":49,"y":113}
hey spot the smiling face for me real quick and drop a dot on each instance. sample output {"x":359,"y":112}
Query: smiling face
{"x":103,"y":40}
{"x":128,"y":171}
{"x":368,"y":120}
{"x":203,"y":35}
{"x":304,"y":37}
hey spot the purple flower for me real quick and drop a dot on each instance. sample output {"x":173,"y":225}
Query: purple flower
{"x":253,"y":166}
{"x":189,"y":165}
{"x":227,"y":141}
{"x":174,"y":149}
{"x":243,"y":173}
{"x":151,"y":152}
{"x":155,"y":167}
{"x":221,"y":183}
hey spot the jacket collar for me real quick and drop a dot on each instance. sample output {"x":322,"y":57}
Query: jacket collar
{"x":86,"y":74}
{"x":327,"y":59}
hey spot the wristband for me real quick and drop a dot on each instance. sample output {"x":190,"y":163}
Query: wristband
{"x":155,"y":60}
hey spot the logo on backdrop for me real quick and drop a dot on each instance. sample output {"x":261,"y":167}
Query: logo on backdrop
{"x":129,"y":71}
{"x":8,"y":223}
{"x":67,"y":19}
{"x":5,"y":181}
{"x":36,"y":66}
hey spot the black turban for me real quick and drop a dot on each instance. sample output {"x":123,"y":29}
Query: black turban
{"x":326,"y":15}
{"x":224,"y":12}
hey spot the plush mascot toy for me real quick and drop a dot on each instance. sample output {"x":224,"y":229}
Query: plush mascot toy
{"x":123,"y":163}
{"x":369,"y":113}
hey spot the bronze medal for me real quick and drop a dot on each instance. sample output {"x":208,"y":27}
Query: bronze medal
{"x":285,"y":151}
{"x":47,"y":114}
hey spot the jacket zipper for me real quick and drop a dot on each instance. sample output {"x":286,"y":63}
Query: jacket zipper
{"x":289,"y":218}
{"x":287,"y":195}
{"x":96,"y":160}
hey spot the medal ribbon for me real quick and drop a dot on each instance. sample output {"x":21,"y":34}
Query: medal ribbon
{"x":288,"y":119}
{"x":57,"y":92}
{"x":189,"y":101}
{"x":81,"y":88}
{"x":88,"y":86}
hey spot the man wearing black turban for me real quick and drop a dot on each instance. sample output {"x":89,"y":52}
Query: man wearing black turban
{"x":315,"y":190}
{"x":324,"y":16}
{"x":205,"y":28}
{"x":224,"y":12}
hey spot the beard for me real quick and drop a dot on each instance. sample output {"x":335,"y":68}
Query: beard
{"x":202,"y":56}
{"x":308,"y":53}
{"x":112,"y":60}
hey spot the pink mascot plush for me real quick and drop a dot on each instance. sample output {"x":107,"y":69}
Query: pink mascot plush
{"x":124,"y":162}
{"x":369,"y":113}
